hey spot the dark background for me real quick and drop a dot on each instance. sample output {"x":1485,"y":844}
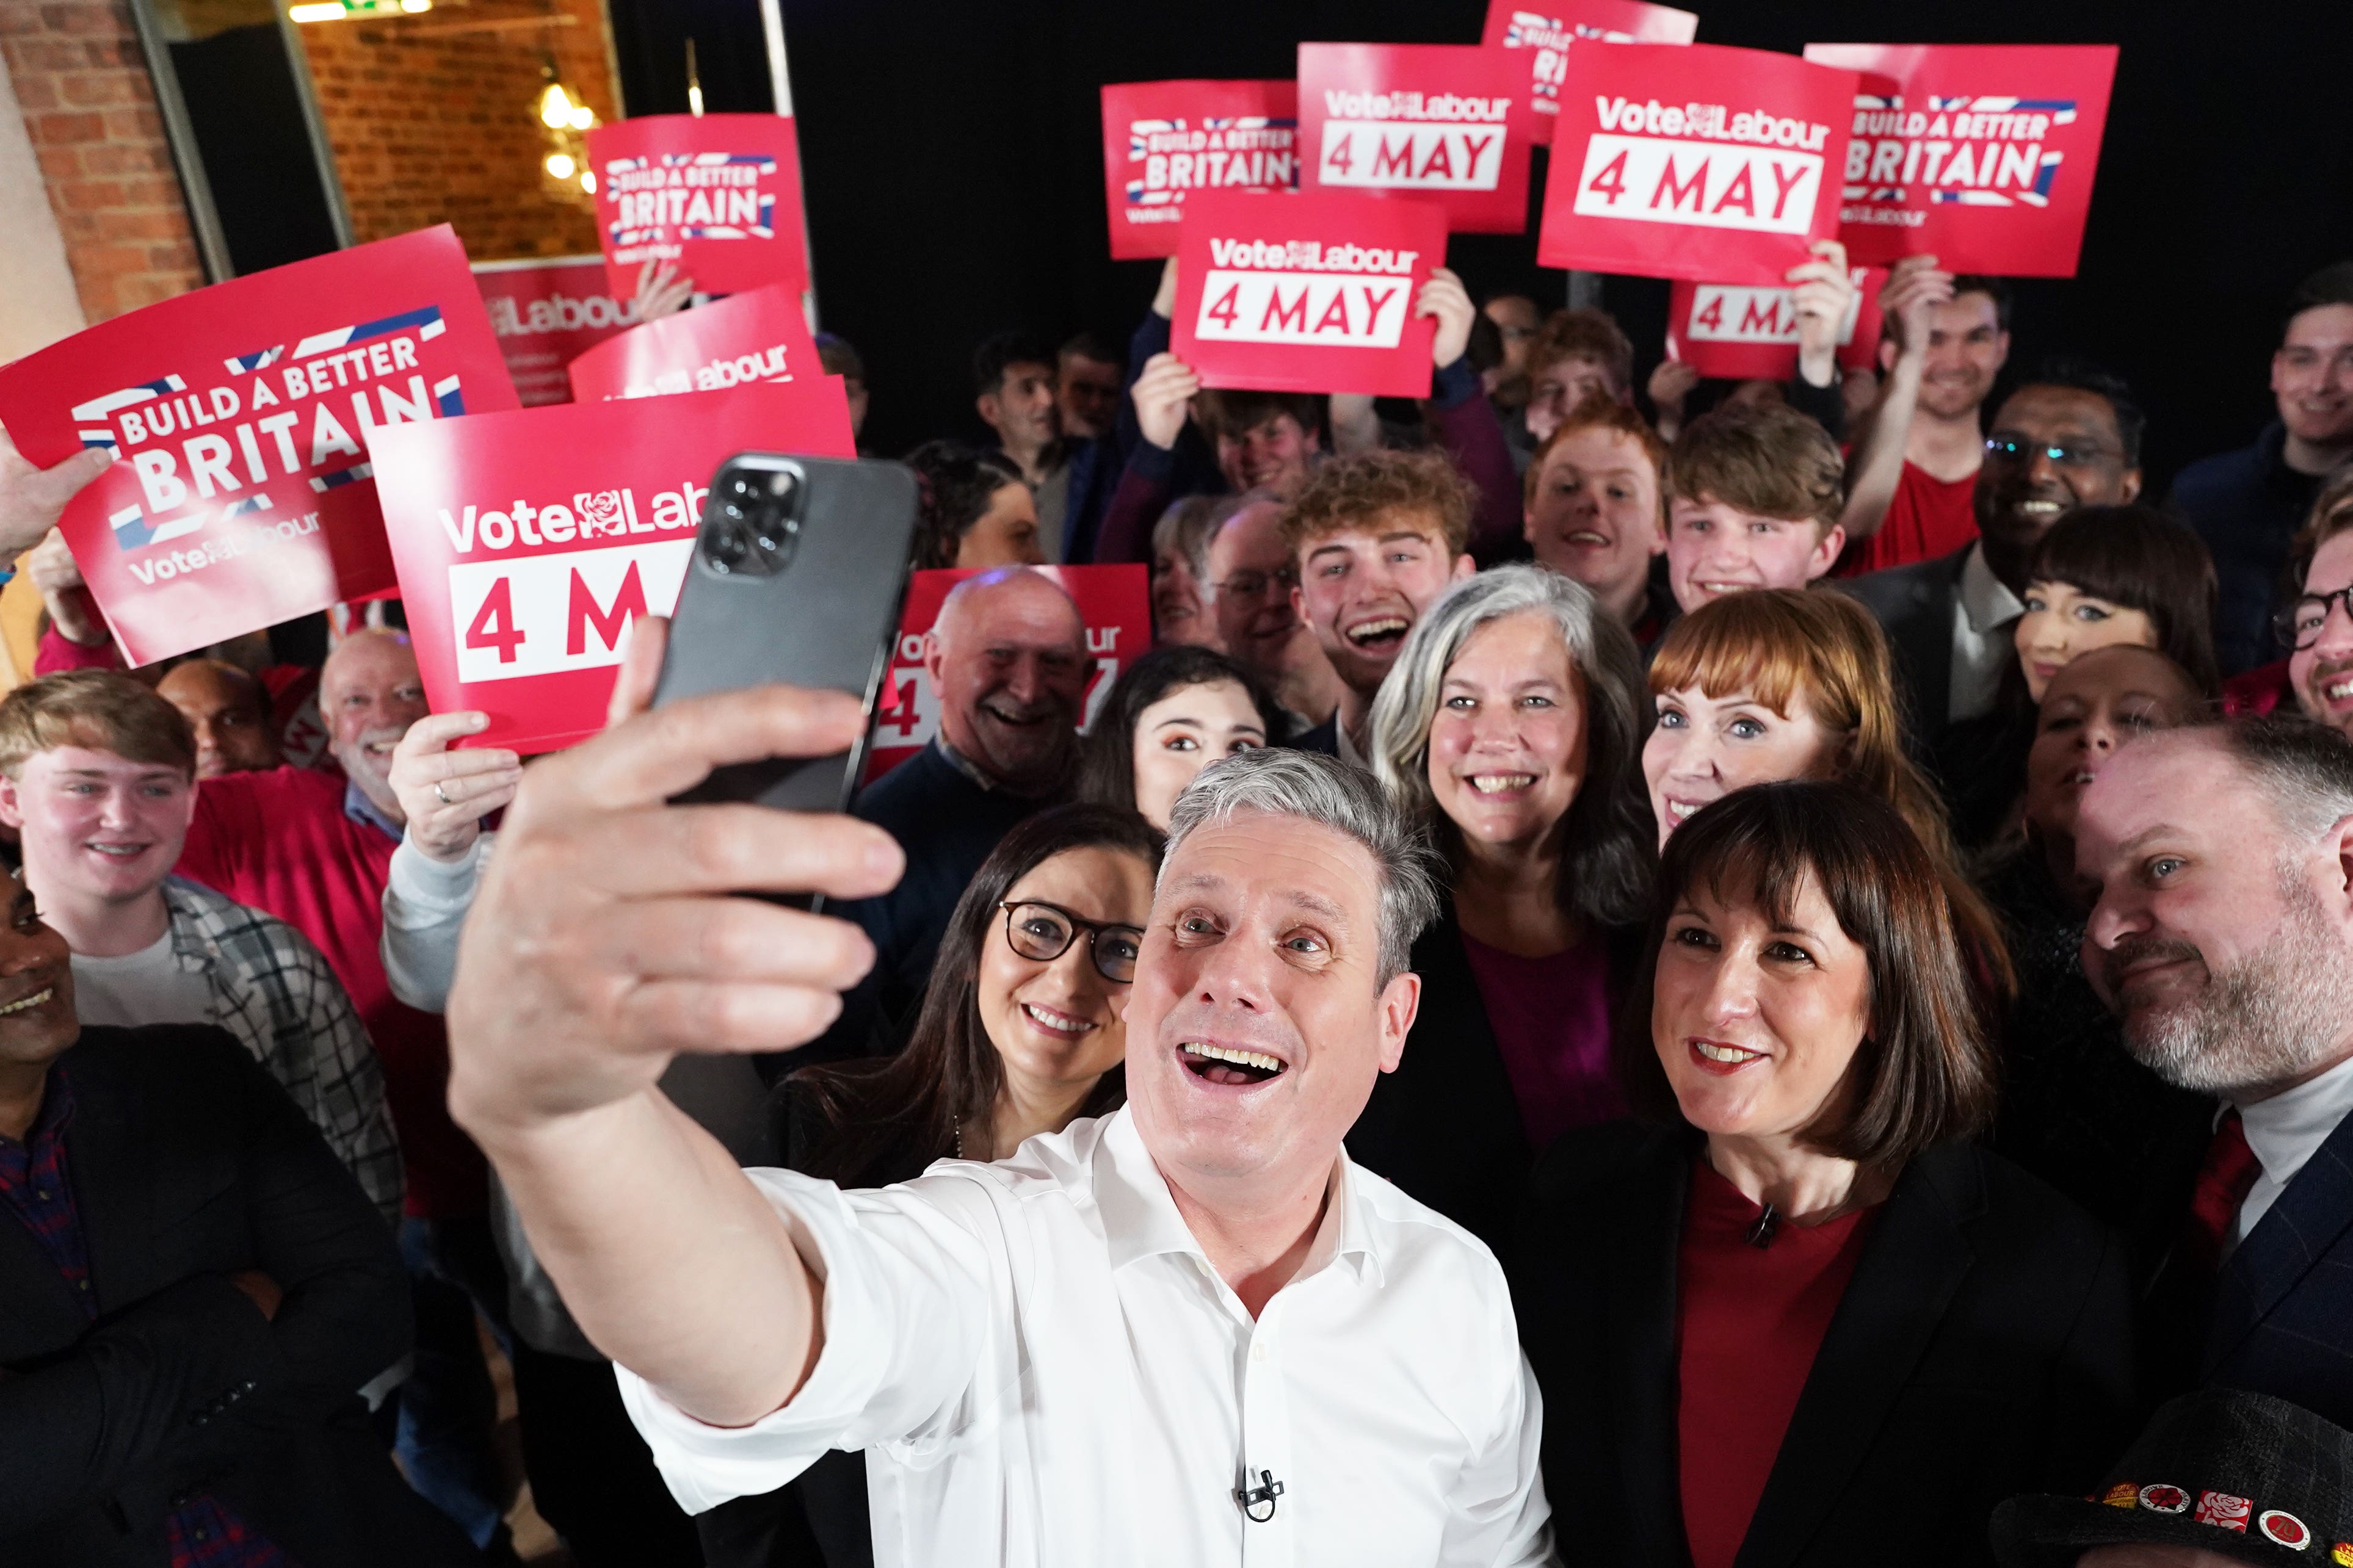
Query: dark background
{"x":951,"y":151}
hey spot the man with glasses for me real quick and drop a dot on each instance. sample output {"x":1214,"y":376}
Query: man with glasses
{"x":1248,"y":580}
{"x":2069,"y":437}
{"x":2317,"y":627}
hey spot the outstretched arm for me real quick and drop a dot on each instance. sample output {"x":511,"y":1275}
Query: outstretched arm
{"x":1875,"y":466}
{"x":606,"y":938}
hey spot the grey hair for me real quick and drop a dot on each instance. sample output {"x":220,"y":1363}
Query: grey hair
{"x":2304,"y":770}
{"x":1279,"y":781}
{"x":1609,"y":843}
{"x":1185,"y":529}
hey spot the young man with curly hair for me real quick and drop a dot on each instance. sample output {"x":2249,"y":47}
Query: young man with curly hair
{"x":1375,"y":538}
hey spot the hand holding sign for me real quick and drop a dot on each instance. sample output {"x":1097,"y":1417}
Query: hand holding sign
{"x":1821,"y":293}
{"x":1164,"y":396}
{"x":1915,"y":286}
{"x":32,"y":499}
{"x":1445,"y":300}
{"x":444,"y":794}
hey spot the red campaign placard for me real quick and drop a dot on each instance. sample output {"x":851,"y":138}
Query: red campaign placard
{"x":745,"y":338}
{"x":718,"y":195}
{"x":547,"y":311}
{"x":1163,"y":139}
{"x":1979,"y":155}
{"x":527,"y":542}
{"x":1699,"y":162}
{"x":1115,"y":602}
{"x":1547,"y":35}
{"x":1307,"y":293}
{"x":1444,"y":122}
{"x":247,"y":416}
{"x":1745,"y":331}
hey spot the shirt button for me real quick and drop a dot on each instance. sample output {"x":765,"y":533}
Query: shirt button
{"x":1258,"y":1351}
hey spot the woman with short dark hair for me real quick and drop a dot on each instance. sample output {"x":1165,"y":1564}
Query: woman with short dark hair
{"x":974,"y":509}
{"x":1798,"y":1317}
{"x":1169,"y":715}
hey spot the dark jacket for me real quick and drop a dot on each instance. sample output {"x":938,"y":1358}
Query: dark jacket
{"x":1914,"y":604}
{"x":2283,"y":1320}
{"x":2247,"y":505}
{"x":189,"y":1166}
{"x":1445,"y":1127}
{"x":947,"y":824}
{"x":1982,"y":1349}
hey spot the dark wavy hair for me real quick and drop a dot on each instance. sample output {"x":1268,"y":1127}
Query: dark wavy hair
{"x":2138,"y":557}
{"x":1925,"y":1070}
{"x":950,"y":1071}
{"x":954,"y":484}
{"x":1107,"y":769}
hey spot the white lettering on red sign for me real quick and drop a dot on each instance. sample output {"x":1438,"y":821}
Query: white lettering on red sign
{"x":1390,"y":155}
{"x":544,"y":614}
{"x":1313,"y":309}
{"x":1703,"y":184}
{"x":1731,"y":313}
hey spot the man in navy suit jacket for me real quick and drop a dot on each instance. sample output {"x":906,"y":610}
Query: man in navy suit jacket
{"x":2222,"y":858}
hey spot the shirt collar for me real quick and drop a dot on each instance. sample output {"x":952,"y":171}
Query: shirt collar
{"x":1140,"y":1217}
{"x":363,"y":811}
{"x":2286,"y":1129}
{"x":1985,"y":599}
{"x":56,"y":1113}
{"x":965,"y":764}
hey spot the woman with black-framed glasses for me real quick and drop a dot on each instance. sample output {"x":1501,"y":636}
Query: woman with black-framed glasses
{"x":1019,"y":1034}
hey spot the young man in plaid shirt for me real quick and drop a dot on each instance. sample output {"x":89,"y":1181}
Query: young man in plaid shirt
{"x":97,"y":774}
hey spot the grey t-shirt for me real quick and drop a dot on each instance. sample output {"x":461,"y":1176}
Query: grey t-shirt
{"x":145,"y":988}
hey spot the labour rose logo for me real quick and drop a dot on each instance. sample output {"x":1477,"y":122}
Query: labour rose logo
{"x":2224,"y":1512}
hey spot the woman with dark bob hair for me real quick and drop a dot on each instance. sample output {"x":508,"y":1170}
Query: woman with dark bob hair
{"x":1019,"y":1034}
{"x":1169,"y":715}
{"x":1797,"y":1316}
{"x":1508,"y":727}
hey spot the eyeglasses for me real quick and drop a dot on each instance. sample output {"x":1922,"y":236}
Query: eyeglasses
{"x":2299,"y":625}
{"x":2007,"y":449}
{"x":1044,"y":933}
{"x":1254,"y":584}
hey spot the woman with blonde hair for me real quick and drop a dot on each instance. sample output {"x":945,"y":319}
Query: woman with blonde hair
{"x":1509,"y":726}
{"x":1786,"y":683}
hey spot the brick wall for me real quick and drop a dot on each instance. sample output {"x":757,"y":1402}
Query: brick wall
{"x":90,"y":108}
{"x":434,"y":125}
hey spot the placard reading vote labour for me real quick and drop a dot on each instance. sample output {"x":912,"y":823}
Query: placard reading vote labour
{"x":547,"y":311}
{"x":1162,"y":140}
{"x":1979,"y":154}
{"x":1307,"y":293}
{"x":1544,"y":30}
{"x":1743,"y":332}
{"x":1699,"y":162}
{"x":1116,"y":603}
{"x":719,"y":195}
{"x":1434,"y":120}
{"x":245,"y":416}
{"x":755,"y":336}
{"x":528,"y":542}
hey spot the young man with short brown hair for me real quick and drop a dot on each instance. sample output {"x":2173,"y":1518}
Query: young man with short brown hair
{"x":1377,"y":538}
{"x":1754,"y":493}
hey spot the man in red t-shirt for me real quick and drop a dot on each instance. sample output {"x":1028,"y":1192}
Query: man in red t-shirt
{"x":1912,"y":472}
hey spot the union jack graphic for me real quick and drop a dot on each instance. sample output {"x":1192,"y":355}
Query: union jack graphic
{"x":2061,"y":111}
{"x":1139,"y":146}
{"x":322,"y":483}
{"x":428,"y":319}
{"x":765,"y":228}
{"x":95,"y":413}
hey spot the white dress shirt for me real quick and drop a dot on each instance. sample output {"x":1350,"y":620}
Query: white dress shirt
{"x":1985,"y":637}
{"x":1044,"y":1369}
{"x":2286,"y":1131}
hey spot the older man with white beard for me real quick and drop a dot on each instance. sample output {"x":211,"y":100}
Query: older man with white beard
{"x":2221,"y":859}
{"x":1192,"y":1331}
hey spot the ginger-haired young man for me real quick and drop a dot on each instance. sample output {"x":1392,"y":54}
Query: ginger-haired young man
{"x":1376,"y":537}
{"x":1754,"y":494}
{"x":1596,"y":510}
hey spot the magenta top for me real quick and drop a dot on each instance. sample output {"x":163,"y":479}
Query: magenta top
{"x":1550,"y":1016}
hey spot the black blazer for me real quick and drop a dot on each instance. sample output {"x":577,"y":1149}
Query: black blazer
{"x":188,"y":1164}
{"x":1914,"y":604}
{"x":1984,"y":1348}
{"x":1446,"y":1126}
{"x":2283,"y":1320}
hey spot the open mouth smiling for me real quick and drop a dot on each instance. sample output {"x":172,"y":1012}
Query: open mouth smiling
{"x":1382,"y":634}
{"x":25,"y":1004}
{"x":1231,"y":1066}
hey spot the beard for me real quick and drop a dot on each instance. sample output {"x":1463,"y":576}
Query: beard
{"x":2264,"y":1022}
